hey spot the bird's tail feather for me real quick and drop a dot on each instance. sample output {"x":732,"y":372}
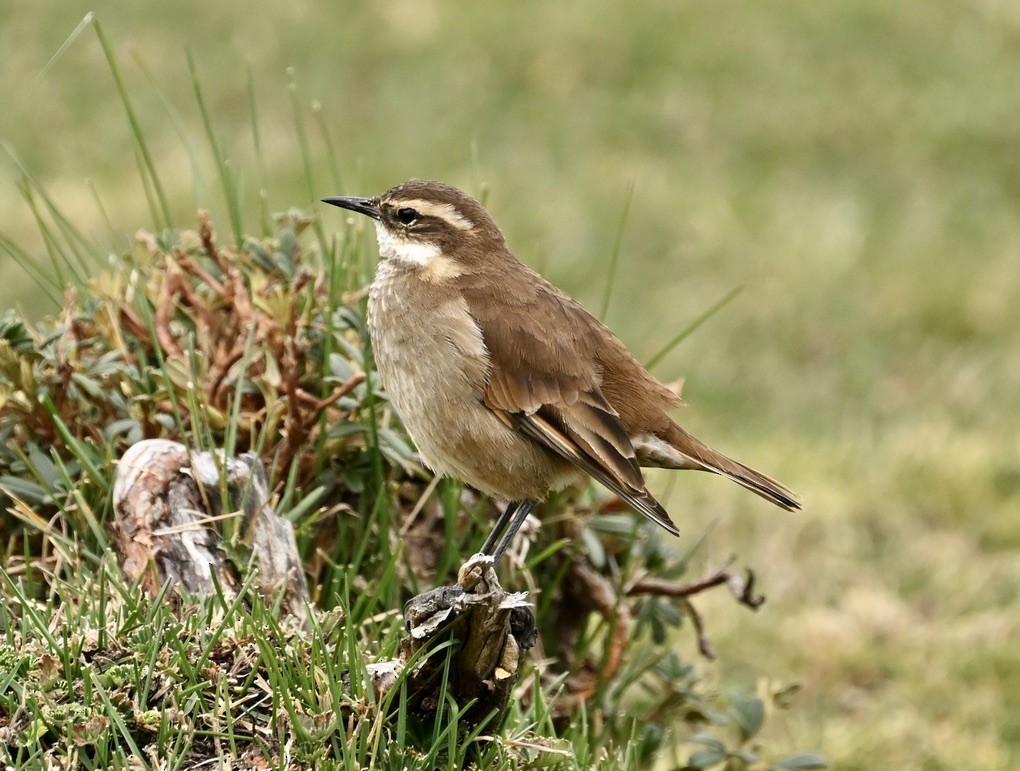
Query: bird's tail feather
{"x":700,"y":455}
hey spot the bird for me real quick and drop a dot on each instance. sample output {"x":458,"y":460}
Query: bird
{"x":505,"y":382}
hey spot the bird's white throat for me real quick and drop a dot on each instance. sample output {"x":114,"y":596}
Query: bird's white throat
{"x":393,"y":247}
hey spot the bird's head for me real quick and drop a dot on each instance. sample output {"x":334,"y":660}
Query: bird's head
{"x":421,"y":221}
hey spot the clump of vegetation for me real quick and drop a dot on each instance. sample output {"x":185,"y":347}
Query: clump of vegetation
{"x":259,"y":344}
{"x":264,"y":348}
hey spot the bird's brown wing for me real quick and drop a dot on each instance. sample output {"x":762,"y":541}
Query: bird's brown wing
{"x":545,"y":381}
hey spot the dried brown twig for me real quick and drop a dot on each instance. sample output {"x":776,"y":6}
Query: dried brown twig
{"x":742,"y":589}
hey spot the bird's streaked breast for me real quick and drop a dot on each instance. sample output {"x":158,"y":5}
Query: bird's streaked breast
{"x":434,"y":364}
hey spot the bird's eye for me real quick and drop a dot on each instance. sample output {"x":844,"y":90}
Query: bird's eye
{"x":407,"y":216}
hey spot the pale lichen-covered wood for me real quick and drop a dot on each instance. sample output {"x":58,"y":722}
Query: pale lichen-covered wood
{"x":172,"y":508}
{"x":495,"y":631}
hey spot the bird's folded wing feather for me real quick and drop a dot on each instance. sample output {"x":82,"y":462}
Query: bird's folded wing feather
{"x":593,"y":451}
{"x":544,"y":380}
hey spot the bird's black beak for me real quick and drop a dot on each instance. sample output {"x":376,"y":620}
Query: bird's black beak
{"x":367,"y":206}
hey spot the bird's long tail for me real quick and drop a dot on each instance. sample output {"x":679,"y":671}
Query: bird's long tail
{"x":697,"y":454}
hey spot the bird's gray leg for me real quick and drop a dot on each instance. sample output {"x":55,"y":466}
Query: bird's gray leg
{"x":523,"y":510}
{"x":500,"y":526}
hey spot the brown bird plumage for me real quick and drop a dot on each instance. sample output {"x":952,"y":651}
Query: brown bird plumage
{"x":504,"y":381}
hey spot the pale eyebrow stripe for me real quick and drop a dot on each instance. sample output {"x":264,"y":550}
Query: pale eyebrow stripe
{"x":444,"y":211}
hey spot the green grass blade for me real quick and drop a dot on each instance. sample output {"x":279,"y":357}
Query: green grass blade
{"x":111,"y":232}
{"x":43,"y":279}
{"x":53,"y":251}
{"x":178,"y":123}
{"x":690,"y":328}
{"x":77,"y":447}
{"x":117,"y":719}
{"x":306,"y":157}
{"x":161,"y":215}
{"x":231,"y":191}
{"x":478,"y":185}
{"x":260,"y":159}
{"x":80,"y":247}
{"x":234,"y":402}
{"x":614,"y":259}
{"x":75,"y":34}
{"x":327,"y":141}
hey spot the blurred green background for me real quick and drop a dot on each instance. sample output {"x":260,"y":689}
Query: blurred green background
{"x":855,"y":166}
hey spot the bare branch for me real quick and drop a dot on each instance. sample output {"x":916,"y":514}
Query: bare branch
{"x":742,"y":590}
